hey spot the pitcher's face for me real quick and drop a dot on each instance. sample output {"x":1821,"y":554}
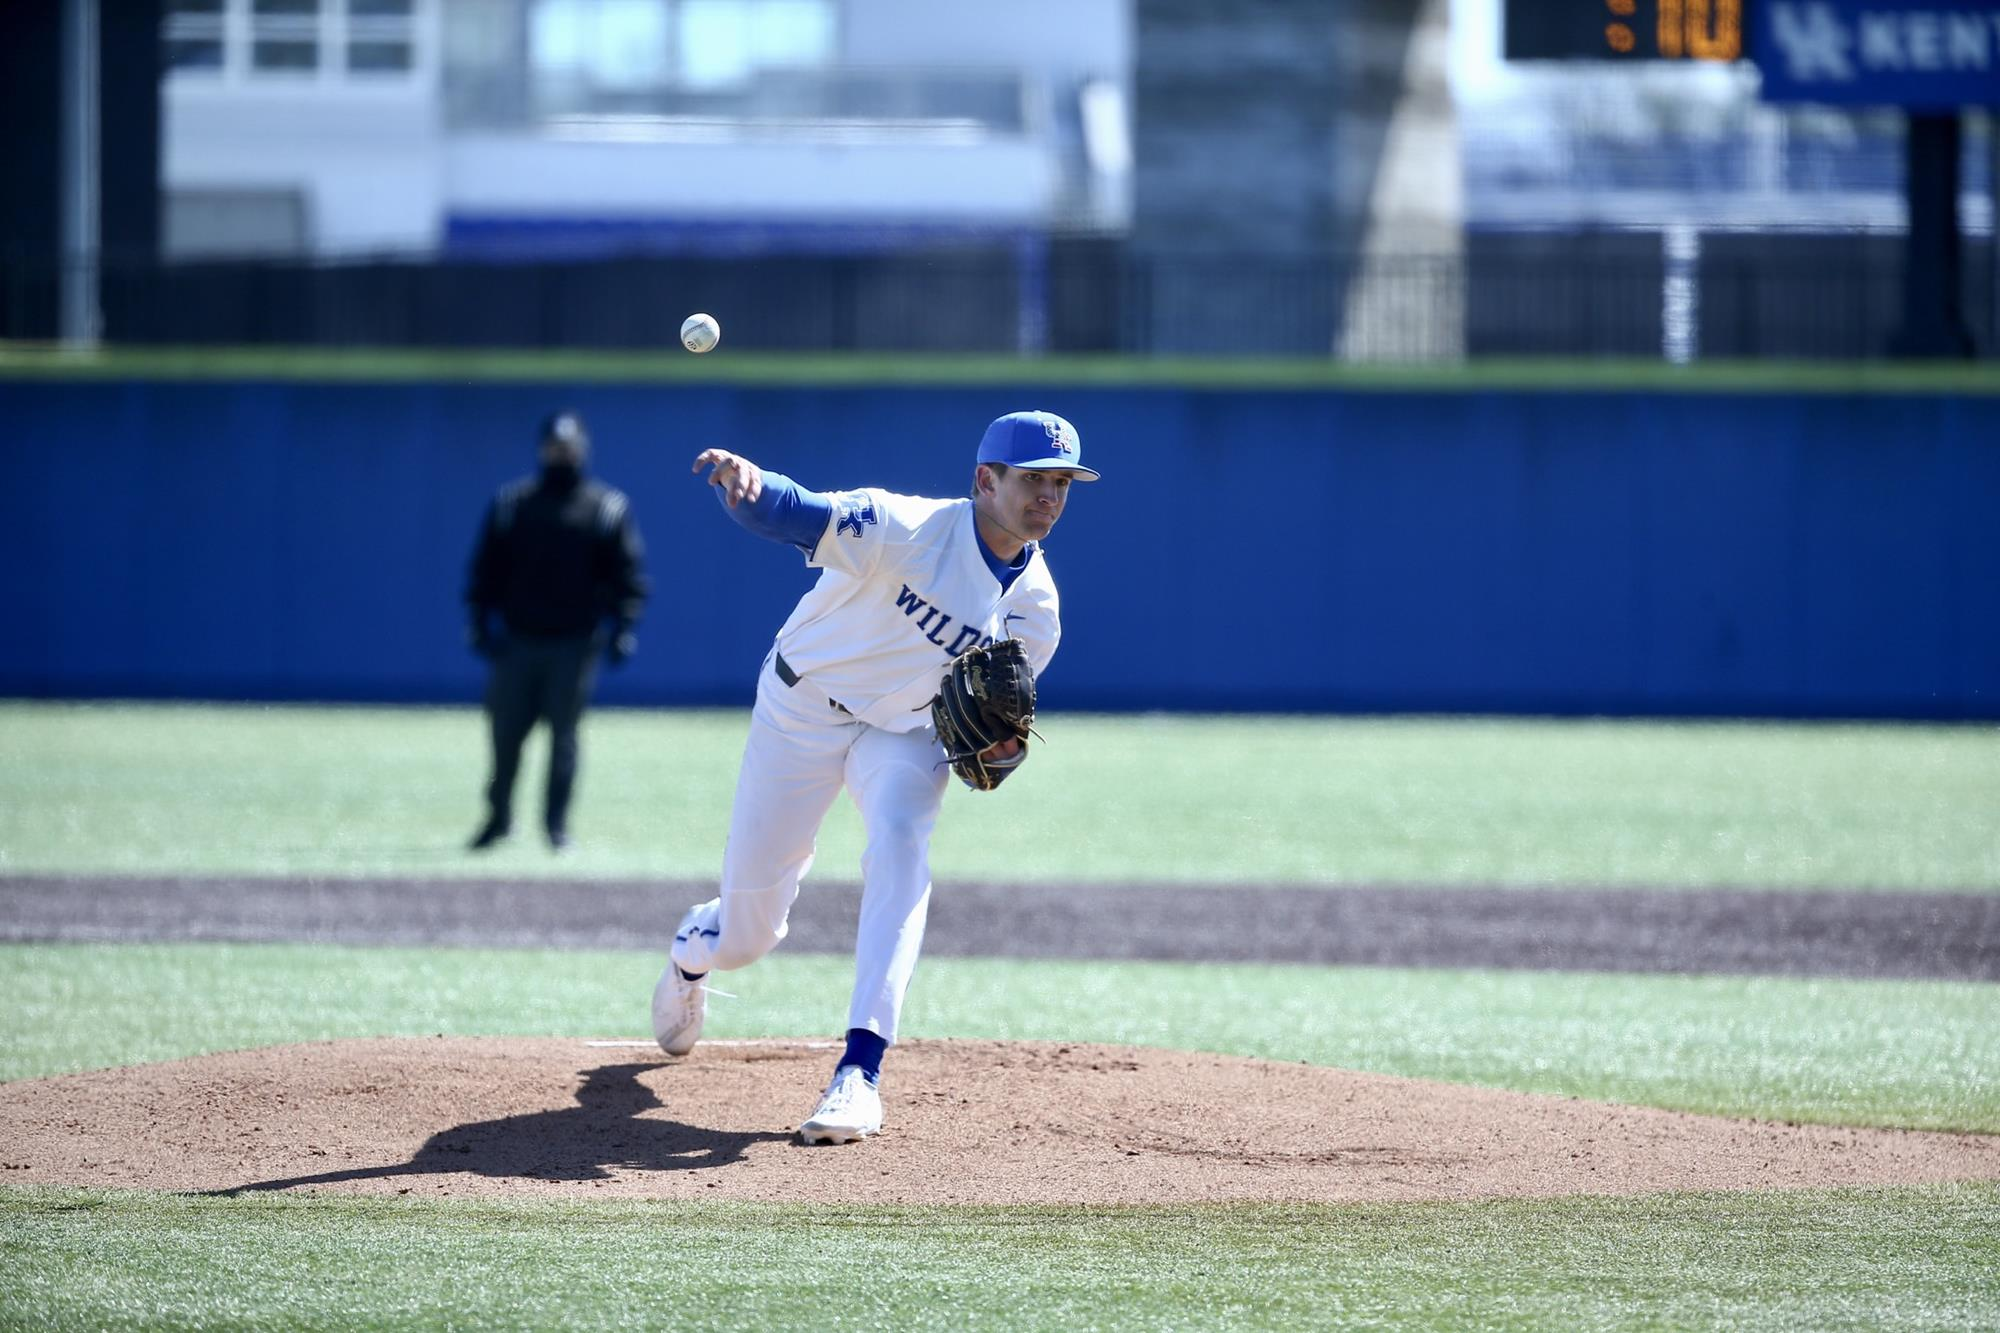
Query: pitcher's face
{"x":1027,"y":501}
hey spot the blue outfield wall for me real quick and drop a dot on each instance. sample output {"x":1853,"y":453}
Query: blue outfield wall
{"x":1491,"y":551}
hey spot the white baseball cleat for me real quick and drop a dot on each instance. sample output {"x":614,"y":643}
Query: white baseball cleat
{"x":679,"y":1006}
{"x":849,"y":1110}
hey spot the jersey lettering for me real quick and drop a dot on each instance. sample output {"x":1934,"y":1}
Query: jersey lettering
{"x":909,"y":604}
{"x":854,"y":515}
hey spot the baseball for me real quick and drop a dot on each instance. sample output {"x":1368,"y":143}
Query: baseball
{"x":699,"y":333}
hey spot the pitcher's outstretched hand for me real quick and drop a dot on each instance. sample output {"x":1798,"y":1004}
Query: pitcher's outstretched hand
{"x":738,"y":478}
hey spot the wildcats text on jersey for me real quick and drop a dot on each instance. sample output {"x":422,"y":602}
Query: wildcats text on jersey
{"x":931,"y":622}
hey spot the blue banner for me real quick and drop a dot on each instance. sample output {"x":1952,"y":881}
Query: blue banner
{"x":1924,"y":54}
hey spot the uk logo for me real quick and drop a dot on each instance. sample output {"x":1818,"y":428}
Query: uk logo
{"x":1062,"y":436}
{"x":1815,"y":43}
{"x":854,"y":515}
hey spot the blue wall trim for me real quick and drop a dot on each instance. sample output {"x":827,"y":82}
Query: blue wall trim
{"x":1539,"y":552}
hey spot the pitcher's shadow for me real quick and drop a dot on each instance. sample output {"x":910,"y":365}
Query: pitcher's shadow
{"x":582,"y":1142}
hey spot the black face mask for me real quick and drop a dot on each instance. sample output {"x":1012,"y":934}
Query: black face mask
{"x":561,"y":476}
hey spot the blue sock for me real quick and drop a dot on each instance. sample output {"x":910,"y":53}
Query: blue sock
{"x":864,"y":1050}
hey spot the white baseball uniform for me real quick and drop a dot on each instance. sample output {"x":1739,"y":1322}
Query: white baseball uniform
{"x":905,"y":587}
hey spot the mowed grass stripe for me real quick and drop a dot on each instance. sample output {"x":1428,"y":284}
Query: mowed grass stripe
{"x":732,"y":366}
{"x":1903,"y":1258}
{"x":1910,"y":1054}
{"x":182,"y":789}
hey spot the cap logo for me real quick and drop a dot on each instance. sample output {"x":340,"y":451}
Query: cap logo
{"x":1060,"y":438}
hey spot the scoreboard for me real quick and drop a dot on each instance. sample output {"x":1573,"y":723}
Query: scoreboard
{"x":1616,"y":30}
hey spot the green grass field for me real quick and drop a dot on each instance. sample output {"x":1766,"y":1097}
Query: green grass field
{"x":1296,"y":800}
{"x":179,"y":790}
{"x":1847,"y":1260}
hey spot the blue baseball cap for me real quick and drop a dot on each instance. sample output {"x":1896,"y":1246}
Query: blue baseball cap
{"x":1035,"y":440}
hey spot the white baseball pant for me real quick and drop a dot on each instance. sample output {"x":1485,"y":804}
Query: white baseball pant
{"x":800,"y":752}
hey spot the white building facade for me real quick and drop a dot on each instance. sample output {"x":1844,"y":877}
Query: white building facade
{"x":338,"y":128}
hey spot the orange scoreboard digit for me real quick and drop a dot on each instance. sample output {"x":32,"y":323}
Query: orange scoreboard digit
{"x":1623,"y":29}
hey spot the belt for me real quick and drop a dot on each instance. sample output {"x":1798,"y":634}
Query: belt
{"x":791,"y":678}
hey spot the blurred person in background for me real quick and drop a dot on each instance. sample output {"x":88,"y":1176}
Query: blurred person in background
{"x":557,"y":579}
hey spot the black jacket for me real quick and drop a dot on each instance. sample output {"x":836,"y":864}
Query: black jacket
{"x":557,"y":556}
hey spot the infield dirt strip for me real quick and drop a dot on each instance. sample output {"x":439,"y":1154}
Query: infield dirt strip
{"x":967,"y":1122}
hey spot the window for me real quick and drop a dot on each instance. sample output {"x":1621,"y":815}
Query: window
{"x":725,"y":42}
{"x":284,"y":36}
{"x":618,"y":45}
{"x":633,"y":46}
{"x":380,"y":36}
{"x":193,"y":36}
{"x":291,"y":40}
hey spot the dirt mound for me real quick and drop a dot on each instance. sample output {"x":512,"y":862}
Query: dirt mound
{"x":968,"y":1122}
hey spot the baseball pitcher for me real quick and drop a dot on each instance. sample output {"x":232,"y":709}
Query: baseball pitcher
{"x":912,"y":657}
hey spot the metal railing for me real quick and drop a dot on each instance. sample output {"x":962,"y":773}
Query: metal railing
{"x":1830,"y":296}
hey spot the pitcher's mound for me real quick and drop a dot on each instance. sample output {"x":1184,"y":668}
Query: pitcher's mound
{"x":968,"y":1122}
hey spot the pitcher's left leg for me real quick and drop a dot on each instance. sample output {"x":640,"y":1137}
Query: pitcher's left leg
{"x":898,"y":784}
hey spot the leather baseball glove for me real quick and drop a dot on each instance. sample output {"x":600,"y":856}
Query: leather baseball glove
{"x":986,"y":698}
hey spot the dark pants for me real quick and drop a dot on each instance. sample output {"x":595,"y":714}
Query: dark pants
{"x":535,"y":679}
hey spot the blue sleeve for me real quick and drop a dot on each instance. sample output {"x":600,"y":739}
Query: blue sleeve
{"x":785,"y":512}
